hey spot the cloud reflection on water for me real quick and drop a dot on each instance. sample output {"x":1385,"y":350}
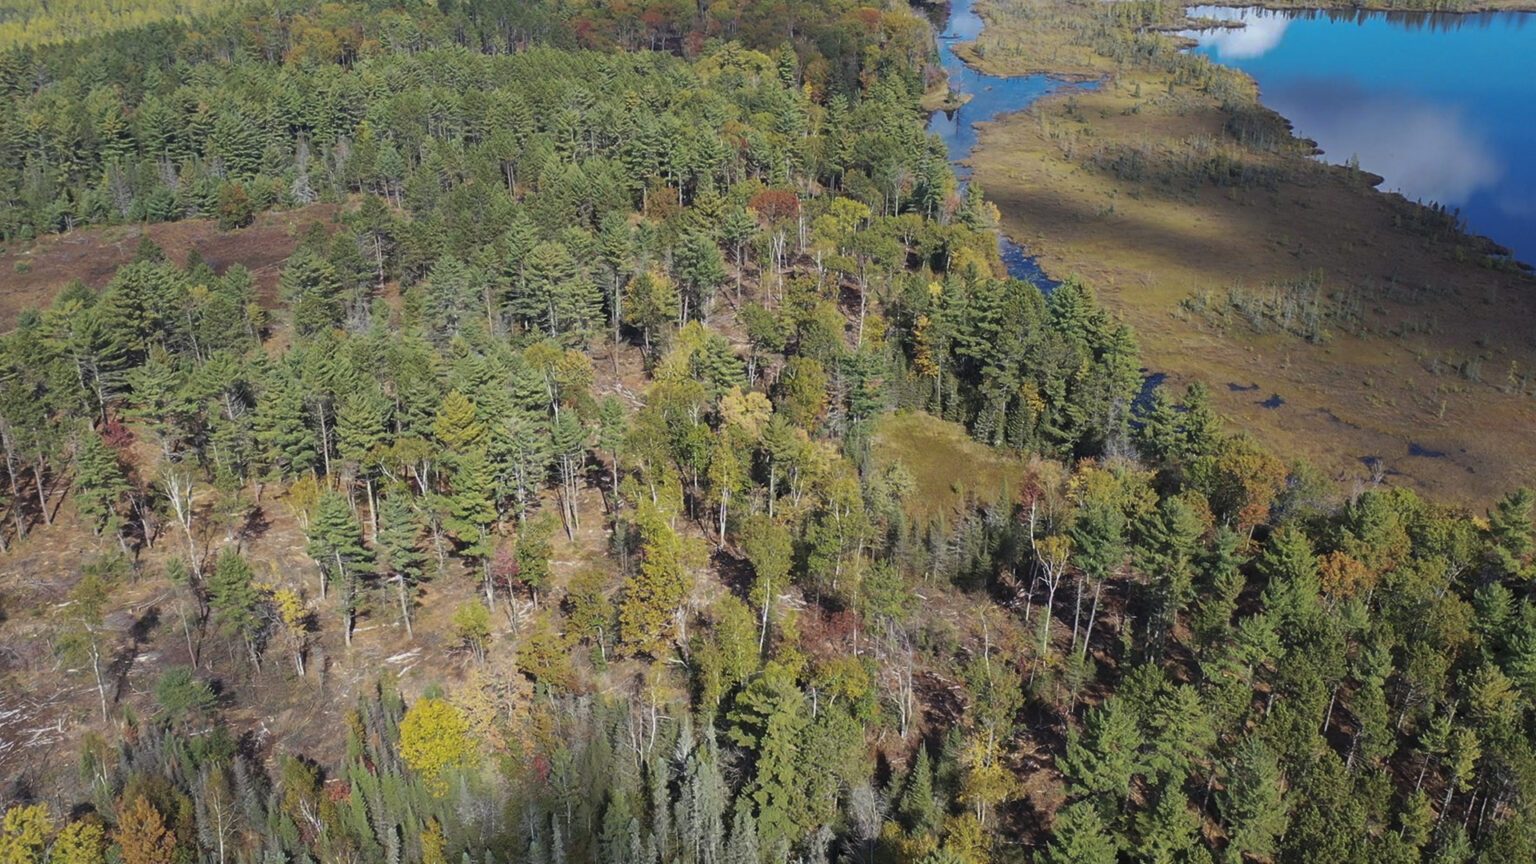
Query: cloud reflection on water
{"x":1426,"y":149}
{"x":1423,"y":149}
{"x":1259,"y":35}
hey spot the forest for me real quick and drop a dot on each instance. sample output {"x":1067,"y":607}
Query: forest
{"x":586,"y":399}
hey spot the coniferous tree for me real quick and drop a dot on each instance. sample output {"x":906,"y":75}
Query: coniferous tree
{"x":397,"y":549}
{"x":653,"y":598}
{"x":471,"y":511}
{"x":920,"y":812}
{"x":336,"y":545}
{"x":1252,"y":802}
{"x":233,"y":596}
{"x":1080,"y":837}
{"x":1102,"y":761}
{"x":569,"y":438}
{"x":101,"y":483}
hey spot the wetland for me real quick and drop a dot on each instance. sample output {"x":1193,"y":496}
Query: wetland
{"x":1332,"y":316}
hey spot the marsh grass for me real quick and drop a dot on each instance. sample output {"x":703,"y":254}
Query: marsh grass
{"x":1237,"y":257}
{"x":948,"y":467}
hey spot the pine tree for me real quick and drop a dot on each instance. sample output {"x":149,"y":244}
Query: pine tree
{"x":457,"y":425}
{"x":569,"y":439}
{"x":533,"y":554}
{"x":1169,"y":830}
{"x":1252,"y":801}
{"x":283,"y":428}
{"x":770,"y":549}
{"x":521,"y":450}
{"x":1290,"y":565}
{"x":650,"y":301}
{"x":1201,"y":427}
{"x":233,"y":596}
{"x":361,"y":425}
{"x":101,"y":483}
{"x":1166,"y":553}
{"x":312,"y":290}
{"x":1080,"y":837}
{"x":770,"y":719}
{"x":1102,"y":760}
{"x":397,"y":549}
{"x":472,"y":511}
{"x":1098,"y":536}
{"x":336,"y":545}
{"x":738,"y":229}
{"x":1159,"y":434}
{"x":616,"y":239}
{"x":613,"y":426}
{"x":1182,"y":733}
{"x":1510,"y":532}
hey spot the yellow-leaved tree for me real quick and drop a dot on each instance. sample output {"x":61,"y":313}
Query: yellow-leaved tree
{"x":434,"y":740}
{"x":24,"y":834}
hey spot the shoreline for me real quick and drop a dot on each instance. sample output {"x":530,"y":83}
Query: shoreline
{"x":1413,"y":311}
{"x":1173,"y":32}
{"x":1374,"y":180}
{"x":1312,"y":6}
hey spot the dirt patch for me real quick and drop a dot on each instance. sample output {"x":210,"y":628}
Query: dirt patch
{"x":31,"y":274}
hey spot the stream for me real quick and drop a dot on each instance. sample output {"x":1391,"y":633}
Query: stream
{"x":991,"y":97}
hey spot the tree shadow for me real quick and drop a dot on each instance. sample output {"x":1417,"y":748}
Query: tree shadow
{"x":735,"y":572}
{"x":122,"y":661}
{"x":256,"y":524}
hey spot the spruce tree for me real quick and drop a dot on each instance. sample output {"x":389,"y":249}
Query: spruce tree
{"x":742,"y":848}
{"x":919,"y":810}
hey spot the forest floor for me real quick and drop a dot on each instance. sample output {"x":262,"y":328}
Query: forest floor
{"x":31,"y":273}
{"x":49,"y":707}
{"x":1331,"y":320}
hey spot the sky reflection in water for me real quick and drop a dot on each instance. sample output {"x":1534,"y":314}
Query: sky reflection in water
{"x":991,"y":97}
{"x":1442,"y":106}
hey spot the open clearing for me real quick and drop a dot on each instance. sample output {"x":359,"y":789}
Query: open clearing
{"x":32,"y":273}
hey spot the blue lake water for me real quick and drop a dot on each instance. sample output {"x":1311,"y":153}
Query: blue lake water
{"x":1442,"y":106}
{"x":992,"y":96}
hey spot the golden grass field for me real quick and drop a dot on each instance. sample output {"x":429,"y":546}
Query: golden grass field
{"x":1420,"y":357}
{"x":948,"y":466}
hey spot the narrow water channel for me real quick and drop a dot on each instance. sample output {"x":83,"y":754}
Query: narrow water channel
{"x":991,"y":97}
